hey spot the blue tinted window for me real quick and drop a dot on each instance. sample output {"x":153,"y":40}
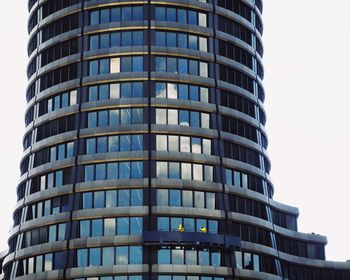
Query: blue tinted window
{"x":137,"y":90}
{"x":111,"y":198}
{"x":171,"y":39}
{"x":137,"y":13}
{"x":182,"y":16}
{"x":108,"y":256}
{"x":100,"y":171}
{"x":115,"y":39}
{"x":137,"y":64}
{"x":183,"y":68}
{"x":136,"y":168}
{"x":136,"y":197}
{"x":87,"y":200}
{"x":135,"y":255}
{"x":125,"y":142}
{"x":160,"y":38}
{"x":126,"y":14}
{"x":99,"y":199}
{"x":195,"y":122}
{"x":135,"y":225}
{"x":104,"y":66}
{"x":82,"y":257}
{"x":112,"y":171}
{"x":184,"y":118}
{"x":160,"y":13}
{"x":89,"y":173}
{"x":93,"y":93}
{"x":104,"y":41}
{"x":123,"y":226}
{"x":102,"y":144}
{"x":94,"y":17}
{"x":113,"y":144}
{"x":123,"y":198}
{"x":93,"y":68}
{"x":96,"y":227}
{"x":122,"y":255}
{"x":126,"y":90}
{"x":164,"y":256}
{"x":182,"y":41}
{"x":163,"y":224}
{"x":95,"y":256}
{"x":94,"y":42}
{"x":85,"y":228}
{"x":103,"y":92}
{"x":175,"y":198}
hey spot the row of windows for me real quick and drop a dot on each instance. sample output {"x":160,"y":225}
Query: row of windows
{"x":115,"y":91}
{"x":115,"y":143}
{"x":54,"y":127}
{"x":241,"y":153}
{"x":252,"y":234}
{"x":180,"y":15}
{"x":182,"y":92}
{"x":33,"y":21}
{"x":51,"y":180}
{"x":41,"y":263}
{"x":284,"y":220}
{"x":185,"y":171}
{"x":180,"y":277}
{"x":186,"y":198}
{"x":33,"y":43}
{"x":235,"y":77}
{"x":238,"y":7}
{"x":247,"y":206}
{"x":59,"y":75}
{"x":112,"y":198}
{"x":242,"y":180}
{"x":181,"y":40}
{"x":181,"y":66}
{"x":116,"y":65}
{"x":237,"y":102}
{"x":115,"y":117}
{"x":236,"y":53}
{"x":57,"y":152}
{"x":184,"y":144}
{"x":300,"y":248}
{"x":59,"y":51}
{"x":45,"y":234}
{"x":62,"y":100}
{"x":182,"y":117}
{"x":60,"y":26}
{"x":234,"y":28}
{"x":116,"y":14}
{"x":52,"y":6}
{"x":295,"y":272}
{"x":187,"y":225}
{"x":113,"y":171}
{"x":110,"y":227}
{"x":189,"y":257}
{"x":240,"y":128}
{"x":48,"y":207}
{"x":112,"y":278}
{"x":246,"y":260}
{"x":116,"y":39}
{"x":107,"y":256}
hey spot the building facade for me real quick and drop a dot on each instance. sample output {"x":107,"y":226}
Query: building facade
{"x":145,"y":149}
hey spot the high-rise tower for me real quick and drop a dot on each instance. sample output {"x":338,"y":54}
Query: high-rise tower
{"x":145,"y":149}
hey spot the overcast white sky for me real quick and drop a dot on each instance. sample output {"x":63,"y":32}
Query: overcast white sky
{"x":307,"y":45}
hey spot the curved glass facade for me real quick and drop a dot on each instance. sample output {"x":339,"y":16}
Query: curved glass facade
{"x":145,"y":148}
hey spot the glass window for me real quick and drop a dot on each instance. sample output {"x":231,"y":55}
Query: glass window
{"x":126,"y":38}
{"x":160,"y":38}
{"x":182,"y":41}
{"x":182,"y":16}
{"x":114,"y":117}
{"x":189,"y":224}
{"x":104,"y":16}
{"x":187,"y":198}
{"x":109,"y":226}
{"x":94,"y":17}
{"x":52,"y":233}
{"x":161,"y":90}
{"x":193,"y":42}
{"x":173,"y":143}
{"x":171,"y":39}
{"x":108,"y":256}
{"x":102,"y":144}
{"x":137,"y":64}
{"x":115,"y":64}
{"x":137,"y":169}
{"x":186,"y":171}
{"x":203,"y":44}
{"x":124,"y":170}
{"x":61,"y":231}
{"x":114,"y":91}
{"x":161,"y":116}
{"x":104,"y":66}
{"x":164,"y":256}
{"x":162,"y":198}
{"x":96,"y":227}
{"x":122,"y":255}
{"x":192,"y":17}
{"x":136,"y":197}
{"x":183,"y":92}
{"x":160,"y":13}
{"x":197,"y":172}
{"x":172,"y":91}
{"x":123,"y":198}
{"x":205,"y":120}
{"x":104,"y":41}
{"x":184,"y":118}
{"x":94,"y":256}
{"x":203,"y":258}
{"x":185,"y":144}
{"x":238,"y":257}
{"x":210,"y":200}
{"x":163,"y":223}
{"x":174,"y":170}
{"x":202,"y":19}
{"x":123,"y":226}
{"x":87,"y":200}
{"x":183,"y":68}
{"x":135,"y":225}
{"x":99,"y":199}
{"x":172,"y":116}
{"x":209,"y":173}
{"x":100,"y":171}
{"x":203,"y":69}
{"x":89,"y":173}
{"x":193,"y":67}
{"x":215,"y":259}
{"x":171,"y":14}
{"x":191,"y":257}
{"x":171,"y":65}
{"x":126,"y":13}
{"x":82,"y":255}
{"x":125,"y":142}
{"x":111,"y":198}
{"x":175,"y":198}
{"x":199,"y":199}
{"x":162,"y":143}
{"x":177,"y":256}
{"x":160,"y":64}
{"x":162,"y":169}
{"x":137,"y":142}
{"x":135,"y":255}
{"x":137,"y":13}
{"x":196,"y":145}
{"x":112,"y":171}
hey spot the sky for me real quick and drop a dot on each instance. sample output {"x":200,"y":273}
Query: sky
{"x":306,"y":63}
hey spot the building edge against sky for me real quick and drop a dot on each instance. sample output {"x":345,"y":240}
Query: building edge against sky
{"x":145,"y":149}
